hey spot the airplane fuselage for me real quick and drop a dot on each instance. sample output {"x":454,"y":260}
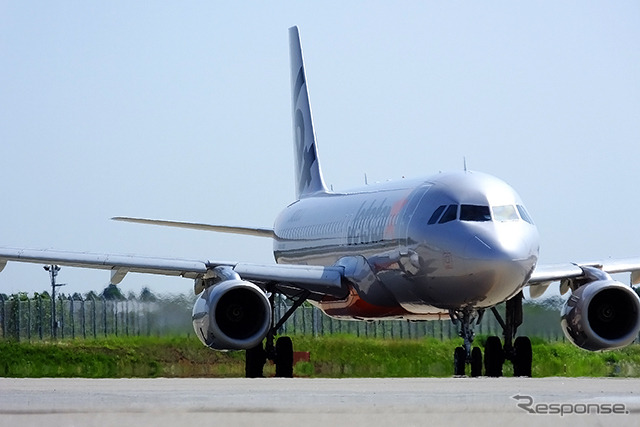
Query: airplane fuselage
{"x":415,"y":249}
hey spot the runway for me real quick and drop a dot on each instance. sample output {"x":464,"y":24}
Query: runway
{"x":318,"y":402}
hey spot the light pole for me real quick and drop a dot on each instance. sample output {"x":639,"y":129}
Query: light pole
{"x":53,"y":272}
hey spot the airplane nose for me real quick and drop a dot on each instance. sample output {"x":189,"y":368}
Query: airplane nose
{"x":506,"y":259}
{"x":504,"y":245}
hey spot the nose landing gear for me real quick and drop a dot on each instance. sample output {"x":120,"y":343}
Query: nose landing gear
{"x":466,"y":355}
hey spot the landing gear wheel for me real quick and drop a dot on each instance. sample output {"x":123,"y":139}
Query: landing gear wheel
{"x":459,"y":361}
{"x":523,"y":357}
{"x":493,"y":357}
{"x":476,"y":362}
{"x":284,"y":357}
{"x":255,"y":358}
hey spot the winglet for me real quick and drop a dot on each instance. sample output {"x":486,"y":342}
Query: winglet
{"x":307,"y":173}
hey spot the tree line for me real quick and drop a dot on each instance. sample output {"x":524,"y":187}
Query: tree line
{"x":110,"y":293}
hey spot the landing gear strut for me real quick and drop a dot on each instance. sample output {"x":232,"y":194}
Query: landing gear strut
{"x":466,"y":354}
{"x":281,"y":354}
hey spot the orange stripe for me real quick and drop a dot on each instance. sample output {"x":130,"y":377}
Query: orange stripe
{"x":354,"y":306}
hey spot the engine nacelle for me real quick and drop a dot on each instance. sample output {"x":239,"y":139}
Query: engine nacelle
{"x":232,"y":315}
{"x":602,"y":315}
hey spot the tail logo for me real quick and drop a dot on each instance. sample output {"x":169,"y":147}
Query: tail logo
{"x":307,"y":156}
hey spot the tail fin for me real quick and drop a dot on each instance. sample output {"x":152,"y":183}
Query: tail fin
{"x":308,"y":174}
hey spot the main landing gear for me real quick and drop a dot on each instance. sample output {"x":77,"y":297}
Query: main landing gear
{"x":518,"y":352}
{"x":281,"y":354}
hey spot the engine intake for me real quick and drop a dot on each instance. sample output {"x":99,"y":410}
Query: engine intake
{"x":232,"y":315}
{"x":602,"y":315}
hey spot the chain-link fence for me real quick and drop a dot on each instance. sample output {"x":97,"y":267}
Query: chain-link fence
{"x":539,"y":322}
{"x":32,"y":318}
{"x":23,"y":318}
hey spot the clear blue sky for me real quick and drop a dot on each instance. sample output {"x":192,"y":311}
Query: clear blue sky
{"x":181,"y":110}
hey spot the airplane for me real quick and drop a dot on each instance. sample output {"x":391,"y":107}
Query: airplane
{"x":453,"y":245}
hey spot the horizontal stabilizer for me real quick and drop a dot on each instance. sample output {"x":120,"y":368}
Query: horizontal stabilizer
{"x":250,"y":231}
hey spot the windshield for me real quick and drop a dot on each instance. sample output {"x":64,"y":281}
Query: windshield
{"x":505,"y":213}
{"x":479,"y":213}
{"x":475,"y":213}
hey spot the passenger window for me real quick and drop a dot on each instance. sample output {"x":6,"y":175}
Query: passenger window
{"x":505,"y":213}
{"x":450,"y":214}
{"x":524,"y":214}
{"x":436,"y":215}
{"x":475,"y":213}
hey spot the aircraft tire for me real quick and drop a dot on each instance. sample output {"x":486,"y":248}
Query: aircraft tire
{"x":523,"y":357}
{"x":493,"y":357}
{"x":476,"y":362}
{"x":255,"y":358}
{"x":459,"y":361}
{"x":284,"y":357}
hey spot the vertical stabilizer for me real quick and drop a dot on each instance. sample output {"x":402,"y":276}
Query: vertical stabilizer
{"x":307,"y":166}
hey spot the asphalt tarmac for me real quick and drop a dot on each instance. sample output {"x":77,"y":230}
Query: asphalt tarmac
{"x":319,"y":402}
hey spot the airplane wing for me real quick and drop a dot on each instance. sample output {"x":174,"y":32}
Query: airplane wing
{"x":317,"y":280}
{"x":544,"y":275}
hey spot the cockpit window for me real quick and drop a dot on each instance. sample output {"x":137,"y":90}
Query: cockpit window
{"x":505,"y":213}
{"x":524,"y":214}
{"x":450,"y":214}
{"x":479,"y":213}
{"x":475,"y":213}
{"x":436,"y":215}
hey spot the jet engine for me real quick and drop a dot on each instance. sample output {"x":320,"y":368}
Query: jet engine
{"x":602,"y":315}
{"x":232,"y":315}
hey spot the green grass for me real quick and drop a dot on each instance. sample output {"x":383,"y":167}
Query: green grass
{"x":117,"y":358}
{"x":560,"y":359}
{"x":330,"y":356}
{"x":348,"y":356}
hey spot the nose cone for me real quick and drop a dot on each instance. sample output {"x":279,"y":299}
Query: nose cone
{"x":502,"y":257}
{"x":513,"y":241}
{"x":474,"y":264}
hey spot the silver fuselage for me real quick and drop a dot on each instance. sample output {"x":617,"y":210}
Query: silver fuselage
{"x":406,"y":260}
